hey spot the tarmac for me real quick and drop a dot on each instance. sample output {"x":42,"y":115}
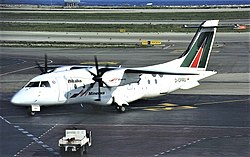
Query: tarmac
{"x":210,"y":120}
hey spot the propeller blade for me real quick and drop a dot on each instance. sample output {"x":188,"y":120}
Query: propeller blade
{"x":44,"y":69}
{"x":45,"y":63}
{"x":96,"y":66}
{"x":106,"y":84}
{"x":93,"y":74}
{"x":98,"y":78}
{"x":40,"y":68}
{"x":99,"y":92}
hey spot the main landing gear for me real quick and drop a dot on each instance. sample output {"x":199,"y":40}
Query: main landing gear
{"x":121,"y":109}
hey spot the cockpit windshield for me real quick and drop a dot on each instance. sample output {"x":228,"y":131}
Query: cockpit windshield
{"x":38,"y":84}
{"x":33,"y":84}
{"x":45,"y":84}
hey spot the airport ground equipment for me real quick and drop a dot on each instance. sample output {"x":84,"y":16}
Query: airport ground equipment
{"x":75,"y":142}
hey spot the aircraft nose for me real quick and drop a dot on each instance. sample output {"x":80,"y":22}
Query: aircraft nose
{"x":15,"y":99}
{"x":18,"y":99}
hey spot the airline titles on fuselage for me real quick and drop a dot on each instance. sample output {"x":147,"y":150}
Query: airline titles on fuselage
{"x":96,"y":93}
{"x":74,"y":81}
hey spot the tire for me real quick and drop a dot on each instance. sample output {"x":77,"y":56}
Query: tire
{"x":90,"y":138}
{"x":82,"y":151}
{"x":117,"y":108}
{"x":85,"y":148}
{"x":30,"y":112}
{"x":122,"y":109}
{"x":69,"y":149}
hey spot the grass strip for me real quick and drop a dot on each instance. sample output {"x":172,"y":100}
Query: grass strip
{"x":126,"y":16}
{"x":67,"y":44}
{"x":52,"y":27}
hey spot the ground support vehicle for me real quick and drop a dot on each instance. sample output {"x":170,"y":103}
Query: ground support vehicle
{"x":75,"y":142}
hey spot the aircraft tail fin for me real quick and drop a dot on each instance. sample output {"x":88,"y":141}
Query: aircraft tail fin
{"x":198,"y":52}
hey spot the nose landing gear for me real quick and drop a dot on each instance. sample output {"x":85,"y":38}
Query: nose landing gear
{"x":30,"y":112}
{"x":33,"y":109}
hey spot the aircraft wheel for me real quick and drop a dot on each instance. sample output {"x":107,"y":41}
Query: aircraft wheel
{"x":85,"y":148}
{"x":117,"y":108}
{"x":122,"y":108}
{"x":82,"y":150}
{"x":30,"y":112}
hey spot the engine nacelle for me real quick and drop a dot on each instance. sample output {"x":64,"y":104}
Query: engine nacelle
{"x":118,"y":77}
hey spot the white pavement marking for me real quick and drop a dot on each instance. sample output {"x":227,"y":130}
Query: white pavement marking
{"x":214,"y":137}
{"x":25,"y":132}
{"x":45,"y":146}
{"x":5,"y":120}
{"x":196,"y":141}
{"x":15,"y":71}
{"x":35,"y":139}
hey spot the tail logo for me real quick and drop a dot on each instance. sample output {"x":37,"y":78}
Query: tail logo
{"x":197,"y":58}
{"x":198,"y":55}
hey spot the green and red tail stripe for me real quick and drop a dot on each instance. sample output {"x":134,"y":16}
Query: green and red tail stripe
{"x":197,"y":54}
{"x":197,"y":58}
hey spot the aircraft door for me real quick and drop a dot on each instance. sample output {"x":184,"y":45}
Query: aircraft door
{"x":165,"y":82}
{"x":63,"y":88}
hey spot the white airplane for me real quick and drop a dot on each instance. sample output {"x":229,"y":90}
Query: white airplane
{"x":118,"y":85}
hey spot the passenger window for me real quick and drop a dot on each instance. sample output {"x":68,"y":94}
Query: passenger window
{"x":45,"y":84}
{"x":33,"y":84}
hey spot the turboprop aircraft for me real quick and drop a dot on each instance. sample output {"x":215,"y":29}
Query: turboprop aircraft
{"x":119,"y":85}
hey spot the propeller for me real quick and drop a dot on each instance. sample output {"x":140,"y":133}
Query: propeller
{"x":44,"y":69}
{"x":98,"y":79}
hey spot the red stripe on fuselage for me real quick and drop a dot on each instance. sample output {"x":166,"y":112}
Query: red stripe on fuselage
{"x":197,"y":58}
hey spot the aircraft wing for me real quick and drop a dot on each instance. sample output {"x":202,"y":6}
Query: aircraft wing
{"x":123,"y":76}
{"x":152,"y":71}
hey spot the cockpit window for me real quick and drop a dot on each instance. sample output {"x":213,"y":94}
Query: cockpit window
{"x":33,"y":84}
{"x":36,"y":84}
{"x":45,"y":84}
